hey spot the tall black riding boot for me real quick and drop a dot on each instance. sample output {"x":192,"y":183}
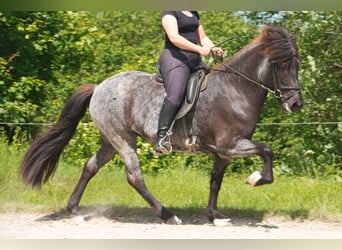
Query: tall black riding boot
{"x":167,"y":114}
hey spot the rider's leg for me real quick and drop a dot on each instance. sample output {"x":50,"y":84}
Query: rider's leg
{"x":167,"y":114}
{"x":175,"y":74}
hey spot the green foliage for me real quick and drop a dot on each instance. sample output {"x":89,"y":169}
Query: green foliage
{"x":45,"y":56}
{"x":222,"y":25}
{"x":83,"y":145}
{"x":321,"y":40}
{"x":33,"y":47}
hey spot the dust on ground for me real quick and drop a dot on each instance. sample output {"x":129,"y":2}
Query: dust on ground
{"x":104,"y":223}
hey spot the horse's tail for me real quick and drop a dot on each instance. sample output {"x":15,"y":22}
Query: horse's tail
{"x":41,"y":159}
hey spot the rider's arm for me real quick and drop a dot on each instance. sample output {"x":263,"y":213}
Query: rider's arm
{"x":170,"y":26}
{"x":206,"y":42}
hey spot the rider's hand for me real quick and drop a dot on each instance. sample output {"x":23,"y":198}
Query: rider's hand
{"x":204,"y":51}
{"x":217,"y":52}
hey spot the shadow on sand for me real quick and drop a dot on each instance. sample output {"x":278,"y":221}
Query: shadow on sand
{"x":189,"y":216}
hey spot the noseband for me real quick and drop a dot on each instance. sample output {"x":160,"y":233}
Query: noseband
{"x":278,"y":86}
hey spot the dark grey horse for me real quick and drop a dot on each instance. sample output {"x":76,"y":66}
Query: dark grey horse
{"x":126,"y":106}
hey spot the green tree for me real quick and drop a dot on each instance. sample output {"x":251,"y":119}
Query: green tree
{"x":320,"y":41}
{"x":33,"y":46}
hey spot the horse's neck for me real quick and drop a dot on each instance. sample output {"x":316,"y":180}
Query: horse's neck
{"x":247,"y":97}
{"x":253,"y":64}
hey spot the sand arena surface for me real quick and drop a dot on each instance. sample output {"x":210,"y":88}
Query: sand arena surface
{"x":103,"y":223}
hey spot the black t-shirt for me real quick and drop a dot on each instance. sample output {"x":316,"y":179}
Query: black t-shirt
{"x":187,"y":26}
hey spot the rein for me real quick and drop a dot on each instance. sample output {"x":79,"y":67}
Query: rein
{"x":278,"y":87}
{"x":277,"y":92}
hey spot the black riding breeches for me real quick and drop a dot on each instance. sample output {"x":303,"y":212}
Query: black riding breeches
{"x":175,"y":67}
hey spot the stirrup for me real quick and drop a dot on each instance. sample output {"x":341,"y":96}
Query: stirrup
{"x":164,"y":145}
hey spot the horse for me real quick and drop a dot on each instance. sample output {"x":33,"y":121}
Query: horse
{"x":126,"y":106}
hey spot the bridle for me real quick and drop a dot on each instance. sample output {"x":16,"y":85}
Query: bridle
{"x":278,"y":86}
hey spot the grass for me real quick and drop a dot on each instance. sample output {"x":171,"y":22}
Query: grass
{"x":184,"y":191}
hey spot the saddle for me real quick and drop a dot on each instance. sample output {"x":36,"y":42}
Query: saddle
{"x":196,"y":84}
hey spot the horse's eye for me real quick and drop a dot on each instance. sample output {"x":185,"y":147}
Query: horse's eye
{"x":283,"y":66}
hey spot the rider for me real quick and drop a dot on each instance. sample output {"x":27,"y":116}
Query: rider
{"x":185,"y":42}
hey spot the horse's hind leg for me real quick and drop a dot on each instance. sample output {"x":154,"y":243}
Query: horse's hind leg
{"x":91,"y":167}
{"x":135,"y":179}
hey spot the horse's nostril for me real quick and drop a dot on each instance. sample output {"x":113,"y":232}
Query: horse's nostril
{"x":296,"y":106}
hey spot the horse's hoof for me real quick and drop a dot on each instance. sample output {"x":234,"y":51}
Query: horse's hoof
{"x":174,"y":220}
{"x":221,"y":222}
{"x":73,"y":211}
{"x":254,"y":178}
{"x":78,"y":219}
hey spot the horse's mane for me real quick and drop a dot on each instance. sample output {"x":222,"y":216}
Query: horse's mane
{"x":277,"y":43}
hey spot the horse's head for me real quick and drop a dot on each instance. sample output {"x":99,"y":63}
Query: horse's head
{"x":281,"y":50}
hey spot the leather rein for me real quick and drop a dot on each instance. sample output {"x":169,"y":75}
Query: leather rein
{"x":278,"y":87}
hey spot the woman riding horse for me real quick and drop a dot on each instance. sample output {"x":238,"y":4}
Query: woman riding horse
{"x":122,"y":107}
{"x":185,"y":42}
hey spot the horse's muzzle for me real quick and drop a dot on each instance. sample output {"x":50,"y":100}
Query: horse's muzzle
{"x":293,"y":104}
{"x":296,"y":106}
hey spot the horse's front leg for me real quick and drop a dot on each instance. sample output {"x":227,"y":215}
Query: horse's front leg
{"x":244,"y":148}
{"x":215,"y":185}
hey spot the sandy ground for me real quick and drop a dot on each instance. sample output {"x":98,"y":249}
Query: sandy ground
{"x":102,"y":223}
